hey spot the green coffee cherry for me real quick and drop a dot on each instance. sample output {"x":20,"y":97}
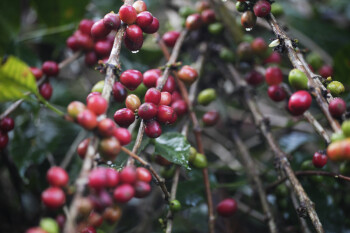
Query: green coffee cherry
{"x":140,"y":90}
{"x":307,"y":165}
{"x":175,"y":205}
{"x":344,"y":168}
{"x":49,"y":225}
{"x":193,"y":153}
{"x":98,"y":87}
{"x":215,"y":28}
{"x":200,"y":161}
{"x":314,"y":59}
{"x":277,"y":9}
{"x":282,"y":190}
{"x":337,"y":137}
{"x":186,"y":11}
{"x":248,"y":38}
{"x":241,"y":6}
{"x":167,"y":173}
{"x":336,"y":88}
{"x":298,"y":79}
{"x":346,"y":128}
{"x":206,"y":96}
{"x":227,"y":55}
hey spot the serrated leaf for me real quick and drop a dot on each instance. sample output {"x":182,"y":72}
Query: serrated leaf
{"x":174,"y":147}
{"x":16,"y":80}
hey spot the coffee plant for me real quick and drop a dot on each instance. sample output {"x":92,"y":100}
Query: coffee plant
{"x":174,"y":116}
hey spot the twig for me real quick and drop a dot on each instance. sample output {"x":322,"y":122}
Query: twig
{"x":248,"y":210}
{"x":169,"y":223}
{"x":303,"y":223}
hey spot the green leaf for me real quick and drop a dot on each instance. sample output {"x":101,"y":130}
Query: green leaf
{"x":174,"y":147}
{"x":15,"y":80}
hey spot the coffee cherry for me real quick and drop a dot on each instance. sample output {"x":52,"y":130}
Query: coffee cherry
{"x":82,"y":147}
{"x":346,"y":128}
{"x":124,"y":193}
{"x":85,"y":26}
{"x":227,"y":55}
{"x":124,"y":117}
{"x":248,"y":20}
{"x":112,"y":178}
{"x":337,"y":107}
{"x":85,"y":42}
{"x":153,"y":96}
{"x":150,"y":77}
{"x":36,"y":72}
{"x":314,"y":59}
{"x":298,"y":79}
{"x":98,"y":178}
{"x":119,"y":92}
{"x":49,"y":225}
{"x":142,"y":189}
{"x":180,"y":107}
{"x":7,"y":124}
{"x":338,"y":136}
{"x":336,"y":88}
{"x":131,"y":79}
{"x":241,"y":6}
{"x":35,"y":230}
{"x":167,"y":172}
{"x":161,"y":160}
{"x":128,"y":175}
{"x":97,"y":104}
{"x":132,"y":46}
{"x":112,"y":214}
{"x":273,"y":76}
{"x":202,"y":5}
{"x":206,"y":96}
{"x":95,"y":219}
{"x":165,"y":114}
{"x":103,"y":48}
{"x":299,"y":102}
{"x":106,"y":127}
{"x":227,"y":207}
{"x":134,"y":34}
{"x":215,"y":28}
{"x":170,"y":38}
{"x":84,"y":206}
{"x":45,"y":90}
{"x":169,"y":85}
{"x":175,"y":96}
{"x":153,"y":129}
{"x":142,"y":174}
{"x":147,"y":111}
{"x":245,"y":51}
{"x":72,"y":43}
{"x":53,"y":197}
{"x":57,"y":176}
{"x":127,"y":14}
{"x":187,"y":74}
{"x":98,"y":87}
{"x":259,"y":46}
{"x":139,"y":6}
{"x":4,"y":139}
{"x":123,"y":135}
{"x":165,"y":98}
{"x":175,"y":205}
{"x":132,"y":102}
{"x":200,"y":161}
{"x":144,"y":19}
{"x":210,"y":118}
{"x":109,"y":148}
{"x":87,"y":119}
{"x":50,"y":68}
{"x":208,"y":16}
{"x":193,"y":22}
{"x":319,"y":160}
{"x":276,"y":93}
{"x":254,"y":78}
{"x":99,"y":30}
{"x":152,"y":28}
{"x":262,"y":8}
{"x":326,"y":71}
{"x":88,"y":229}
{"x":111,"y":21}
{"x":90,"y":58}
{"x":274,"y":57}
{"x":193,"y":154}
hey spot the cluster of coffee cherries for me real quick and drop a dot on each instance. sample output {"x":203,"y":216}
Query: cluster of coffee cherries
{"x":204,"y":15}
{"x":50,"y":69}
{"x":6,"y":125}
{"x":251,"y":10}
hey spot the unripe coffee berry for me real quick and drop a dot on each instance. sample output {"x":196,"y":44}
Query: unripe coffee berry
{"x":248,"y":19}
{"x":97,"y":104}
{"x":144,"y":19}
{"x":152,"y":28}
{"x":109,"y":148}
{"x":87,"y":119}
{"x":98,"y":87}
{"x":45,"y":90}
{"x":127,"y":14}
{"x":131,"y":79}
{"x":337,"y":107}
{"x":50,"y":68}
{"x":319,"y":160}
{"x":346,"y":128}
{"x":299,"y":102}
{"x":153,"y":96}
{"x":273,"y":76}
{"x":241,"y":6}
{"x":210,"y":118}
{"x":57,"y":176}
{"x":147,"y":111}
{"x":175,"y":205}
{"x":227,"y":207}
{"x":336,"y":88}
{"x":124,"y":193}
{"x":187,"y":74}
{"x":119,"y":92}
{"x":7,"y":124}
{"x":132,"y":102}
{"x":200,"y":161}
{"x":106,"y":127}
{"x":111,"y":21}
{"x":262,"y":8}
{"x":153,"y":129}
{"x":124,"y":117}
{"x":276,"y":93}
{"x":170,"y":38}
{"x":112,"y":214}
{"x":50,"y":225}
{"x":298,"y":79}
{"x":206,"y":96}
{"x":53,"y":197}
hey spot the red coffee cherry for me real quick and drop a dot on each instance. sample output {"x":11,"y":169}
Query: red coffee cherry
{"x":165,"y":114}
{"x":248,"y":19}
{"x":165,"y":98}
{"x":170,"y":38}
{"x":259,"y":46}
{"x":274,"y":57}
{"x":124,"y":193}
{"x":123,"y":135}
{"x":337,"y":107}
{"x":193,"y":22}
{"x":99,"y":30}
{"x":97,"y":104}
{"x":4,"y":139}
{"x":82,"y":147}
{"x":92,"y":94}
{"x":57,"y":176}
{"x":95,"y":219}
{"x":180,"y":107}
{"x":132,"y":46}
{"x":150,"y":77}
{"x":127,"y":14}
{"x":106,"y":127}
{"x":72,"y":43}
{"x":132,"y":102}
{"x":50,"y":68}
{"x":153,"y":96}
{"x":134,"y":34}
{"x":87,"y":119}
{"x":299,"y":102}
{"x":175,"y":96}
{"x":103,"y":48}
{"x":7,"y":124}
{"x":112,"y":214}
{"x":85,"y":42}
{"x":153,"y":129}
{"x":139,"y":6}
{"x":109,"y":148}
{"x":319,"y":160}
{"x":143,"y":174}
{"x":111,"y":21}
{"x":187,"y":74}
{"x":131,"y":79}
{"x":273,"y":76}
{"x":98,"y":178}
{"x":208,"y":16}
{"x":142,"y":189}
{"x":45,"y":90}
{"x":227,"y":207}
{"x":276,"y":93}
{"x":128,"y":175}
{"x":35,"y":230}
{"x":124,"y":117}
{"x":152,"y":28}
{"x":326,"y":71}
{"x":210,"y":118}
{"x":53,"y":197}
{"x":254,"y":78}
{"x":262,"y":8}
{"x":147,"y":111}
{"x":144,"y":19}
{"x":85,"y":26}
{"x":119,"y":92}
{"x":90,"y":58}
{"x":88,"y":229}
{"x":36,"y":72}
{"x":169,"y":85}
{"x":112,"y":178}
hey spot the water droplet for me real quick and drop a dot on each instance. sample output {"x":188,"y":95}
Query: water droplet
{"x":248,"y":29}
{"x":136,"y":51}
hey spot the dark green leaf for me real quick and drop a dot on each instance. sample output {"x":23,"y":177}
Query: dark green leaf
{"x":342,"y":65}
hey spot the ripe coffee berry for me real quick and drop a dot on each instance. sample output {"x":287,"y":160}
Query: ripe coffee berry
{"x":150,"y":77}
{"x":132,"y":102}
{"x":36,"y":72}
{"x":180,"y":107}
{"x":124,"y":117}
{"x":142,"y":189}
{"x":50,"y":68}
{"x":142,"y":174}
{"x":299,"y":102}
{"x":139,"y":6}
{"x":147,"y":111}
{"x":153,"y":96}
{"x":90,"y":58}
{"x":259,"y":46}
{"x":4,"y":139}
{"x":85,"y":26}
{"x":175,"y":96}
{"x":106,"y":127}
{"x":169,"y":85}
{"x":152,"y":28}
{"x":187,"y":74}
{"x":45,"y":90}
{"x":82,"y":147}
{"x":193,"y":22}
{"x":85,"y":42}
{"x":210,"y":118}
{"x":7,"y":124}
{"x":248,"y":19}
{"x":144,"y":19}
{"x":87,"y":119}
{"x":227,"y":207}
{"x":119,"y":92}
{"x":131,"y":79}
{"x":254,"y":78}
{"x":112,"y":178}
{"x":99,"y":30}
{"x":57,"y":176}
{"x":103,"y":48}
{"x":124,"y":193}
{"x":72,"y":43}
{"x":88,"y":229}
{"x":165,"y":98}
{"x":128,"y":175}
{"x":319,"y":160}
{"x":97,"y":104}
{"x":276,"y":93}
{"x":165,"y":114}
{"x":262,"y":8}
{"x":109,"y":148}
{"x":98,"y":178}
{"x":273,"y":76}
{"x":95,"y":219}
{"x":326,"y":71}
{"x":134,"y":33}
{"x":337,"y":107}
{"x":170,"y":38}
{"x":53,"y":197}
{"x":208,"y":16}
{"x":275,"y":57}
{"x":123,"y":135}
{"x":111,"y":21}
{"x":133,"y":46}
{"x":153,"y":129}
{"x":127,"y":14}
